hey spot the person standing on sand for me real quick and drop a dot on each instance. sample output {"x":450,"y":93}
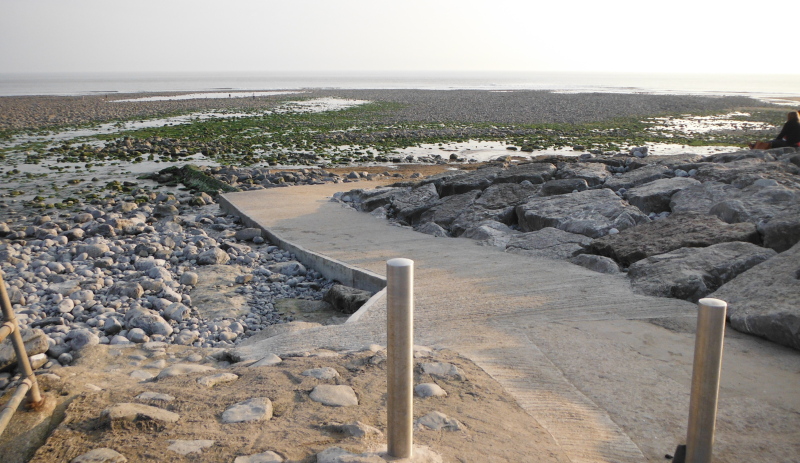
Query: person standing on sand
{"x":790,"y":134}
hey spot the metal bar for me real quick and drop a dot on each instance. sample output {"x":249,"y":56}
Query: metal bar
{"x":34,"y":396}
{"x":400,"y":356}
{"x":705,"y":380}
{"x":13,"y":404}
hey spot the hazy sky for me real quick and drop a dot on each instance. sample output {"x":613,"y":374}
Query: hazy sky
{"x":409,"y":35}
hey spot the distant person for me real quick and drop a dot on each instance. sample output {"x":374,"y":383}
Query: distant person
{"x":789,"y":136}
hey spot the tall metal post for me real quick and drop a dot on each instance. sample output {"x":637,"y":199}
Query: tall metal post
{"x":705,"y":379}
{"x":400,"y":356}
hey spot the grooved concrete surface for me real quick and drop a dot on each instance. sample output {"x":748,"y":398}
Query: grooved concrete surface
{"x":605,"y":371}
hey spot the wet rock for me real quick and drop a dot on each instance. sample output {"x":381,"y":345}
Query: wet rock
{"x":346,"y":299}
{"x":548,"y":242}
{"x":693,"y":273}
{"x":684,"y":230}
{"x":592,"y":213}
{"x":763,"y":300}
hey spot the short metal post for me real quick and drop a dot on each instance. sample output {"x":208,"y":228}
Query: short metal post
{"x":705,"y":379}
{"x":400,"y":356}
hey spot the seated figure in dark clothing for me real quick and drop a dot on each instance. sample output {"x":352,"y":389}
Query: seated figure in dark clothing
{"x":790,"y":134}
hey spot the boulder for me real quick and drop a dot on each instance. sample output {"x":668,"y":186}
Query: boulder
{"x":596,"y":263}
{"x":765,"y":300}
{"x":409,"y":207}
{"x":505,"y":195}
{"x":346,"y":299}
{"x":700,"y":198}
{"x":563,"y":186}
{"x":431,"y":228}
{"x":490,"y":233}
{"x":35,"y":342}
{"x":368,"y":200}
{"x":213,"y":256}
{"x":592,"y":213}
{"x":479,"y":179}
{"x":534,"y":172}
{"x":654,"y":197}
{"x":147,"y":320}
{"x":637,"y":177}
{"x":743,"y":172}
{"x":684,"y":230}
{"x":548,"y":242}
{"x":447,"y":209}
{"x":694,"y":273}
{"x":594,"y":173}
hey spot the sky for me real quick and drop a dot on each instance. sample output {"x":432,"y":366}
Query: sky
{"x":680,"y":36}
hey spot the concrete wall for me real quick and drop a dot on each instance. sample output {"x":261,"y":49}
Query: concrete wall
{"x":330,"y":268}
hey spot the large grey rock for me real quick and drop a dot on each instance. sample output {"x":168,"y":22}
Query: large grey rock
{"x":694,"y":273}
{"x":334,"y":396}
{"x":684,"y":230}
{"x":35,"y":342}
{"x":346,"y":299}
{"x":479,"y":179}
{"x":475,"y":215}
{"x":701,"y":198}
{"x":765,"y":300}
{"x":592,"y":213}
{"x":563,"y":186}
{"x":534,"y":172}
{"x":655,"y":196}
{"x":637,"y":177}
{"x":431,"y":228}
{"x":369,"y":200}
{"x":256,"y":409}
{"x":410,"y":207}
{"x":599,"y":264}
{"x":594,"y":173}
{"x":490,"y":233}
{"x":505,"y":195}
{"x":548,"y":242}
{"x":743,"y":172}
{"x":147,"y":320}
{"x":213,"y":256}
{"x":447,"y":209}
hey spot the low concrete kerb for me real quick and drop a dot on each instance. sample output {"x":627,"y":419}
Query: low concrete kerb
{"x":329,"y":267}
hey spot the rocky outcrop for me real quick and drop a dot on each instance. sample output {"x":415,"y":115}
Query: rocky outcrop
{"x":694,"y":273}
{"x":592,"y":213}
{"x":764,"y":300}
{"x":685,"y":230}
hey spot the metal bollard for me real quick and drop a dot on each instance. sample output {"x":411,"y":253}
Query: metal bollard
{"x":705,"y":379}
{"x":400,"y":356}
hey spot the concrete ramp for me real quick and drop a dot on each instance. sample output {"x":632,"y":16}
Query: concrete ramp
{"x":603,"y":370}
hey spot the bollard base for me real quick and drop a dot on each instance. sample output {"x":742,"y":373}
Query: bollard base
{"x":680,"y":454}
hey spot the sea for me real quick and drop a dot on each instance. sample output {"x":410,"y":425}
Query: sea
{"x":770,"y":87}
